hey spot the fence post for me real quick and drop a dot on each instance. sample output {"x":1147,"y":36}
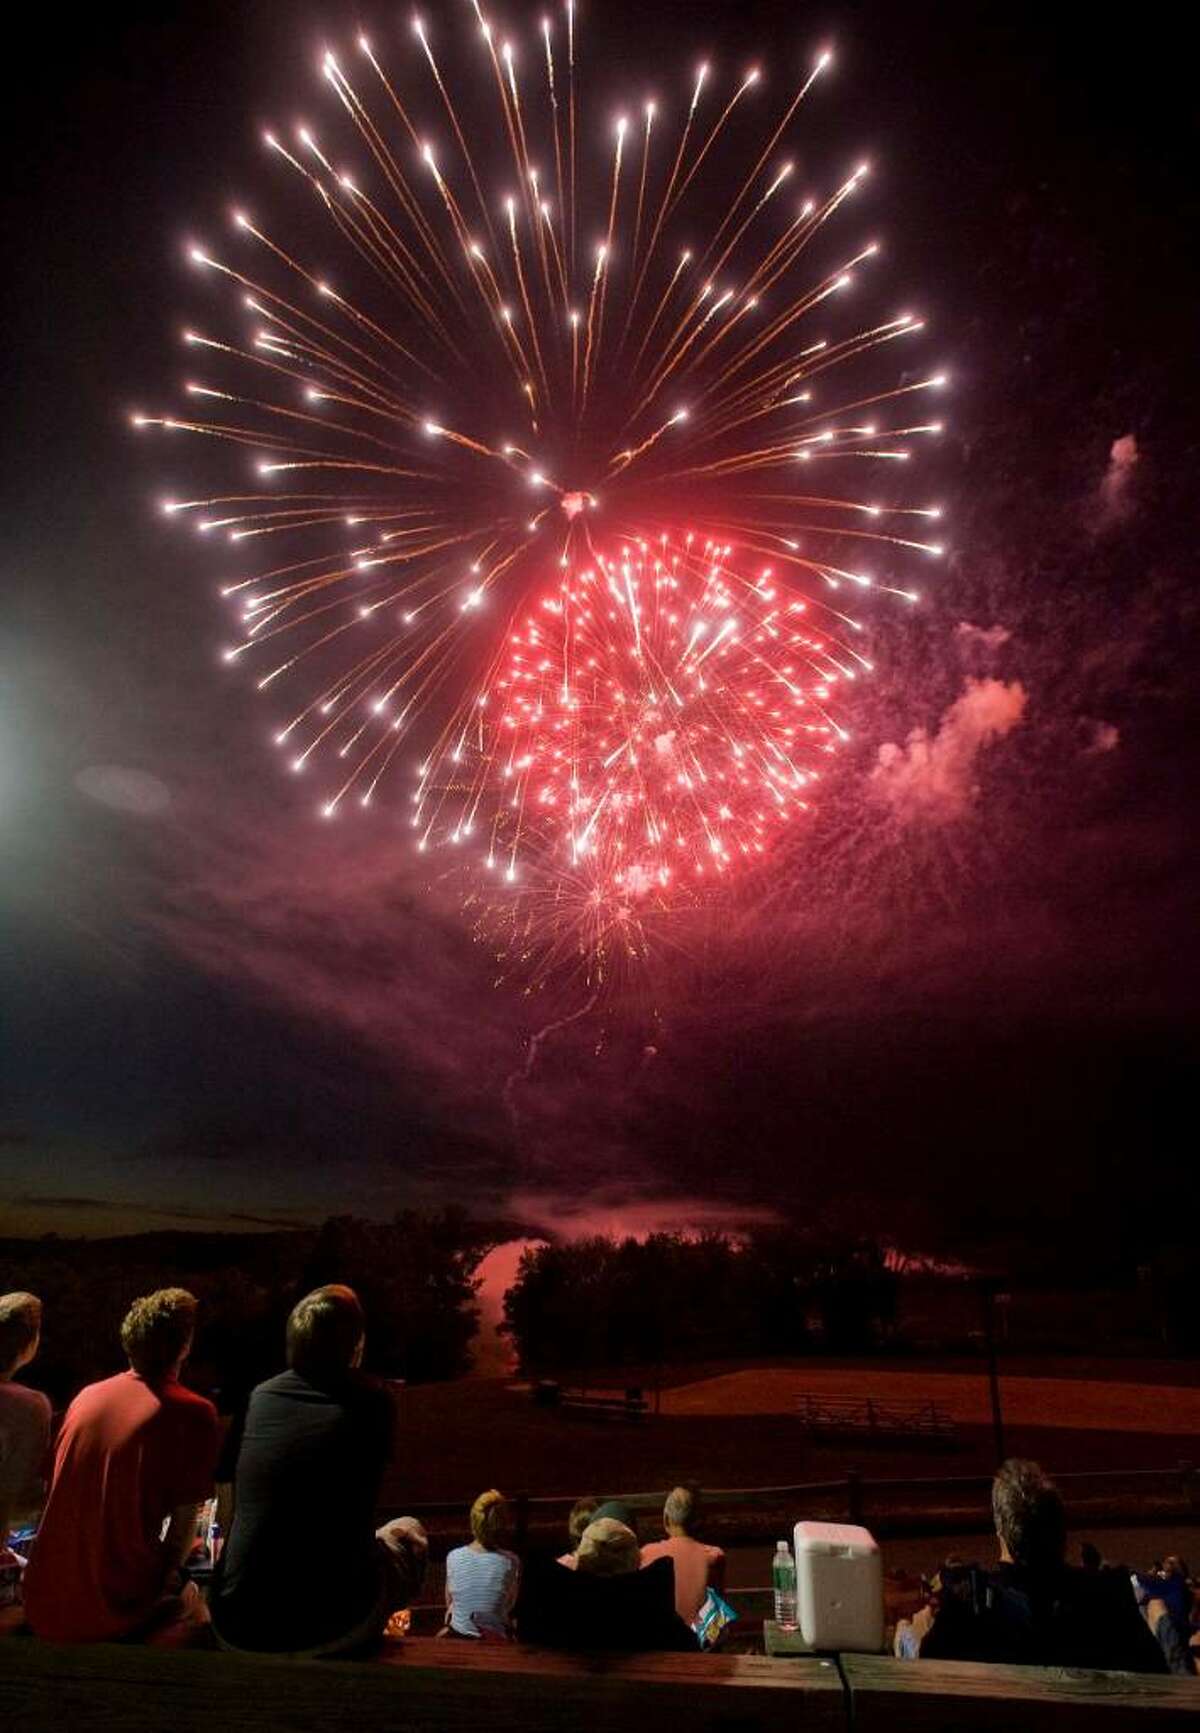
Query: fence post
{"x":521,"y":1525}
{"x":987,"y":1294}
{"x":854,"y":1495}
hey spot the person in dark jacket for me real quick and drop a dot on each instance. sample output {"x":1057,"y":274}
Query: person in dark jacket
{"x":304,"y":1569}
{"x":1033,"y":1607}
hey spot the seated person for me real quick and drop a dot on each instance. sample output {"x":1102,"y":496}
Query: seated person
{"x":1173,"y":1585}
{"x":616,"y":1510}
{"x":696,"y":1566}
{"x":1034,"y":1607}
{"x":304,"y":1569}
{"x":582,"y":1512}
{"x":607,"y":1602}
{"x":1165,"y":1601}
{"x":482,"y":1578}
{"x":24,"y":1416}
{"x":136,"y":1454}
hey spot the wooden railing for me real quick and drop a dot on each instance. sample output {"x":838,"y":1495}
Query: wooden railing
{"x":926,"y":1504}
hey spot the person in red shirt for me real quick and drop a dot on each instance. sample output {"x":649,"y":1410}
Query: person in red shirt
{"x":133,"y":1464}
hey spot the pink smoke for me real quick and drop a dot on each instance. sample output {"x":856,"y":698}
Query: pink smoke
{"x":932,"y":777}
{"x":1116,"y":488}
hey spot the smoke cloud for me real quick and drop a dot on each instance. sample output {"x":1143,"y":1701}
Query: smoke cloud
{"x":989,"y":638}
{"x":1105,"y":737}
{"x":1116,"y":489}
{"x":932,"y":776}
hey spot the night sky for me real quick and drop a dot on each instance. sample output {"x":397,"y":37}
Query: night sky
{"x":960,"y":1009}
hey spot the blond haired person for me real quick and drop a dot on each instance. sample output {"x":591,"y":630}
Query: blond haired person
{"x":482,"y":1578}
{"x":607,"y":1601}
{"x":607,"y":1548}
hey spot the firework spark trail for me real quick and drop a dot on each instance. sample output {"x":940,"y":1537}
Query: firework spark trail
{"x":489,"y":408}
{"x":536,"y":1041}
{"x":666,"y":197}
{"x":650,"y":112}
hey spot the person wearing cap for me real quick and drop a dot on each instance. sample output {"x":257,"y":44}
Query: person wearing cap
{"x":616,"y":1510}
{"x":582,"y":1512}
{"x":608,"y":1602}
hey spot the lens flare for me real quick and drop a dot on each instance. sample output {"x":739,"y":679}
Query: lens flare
{"x":567,"y":466}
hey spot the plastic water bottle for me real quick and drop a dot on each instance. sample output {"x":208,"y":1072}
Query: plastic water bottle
{"x":783,"y":1578}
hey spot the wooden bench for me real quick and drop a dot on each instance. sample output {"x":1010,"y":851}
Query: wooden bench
{"x":865,"y":1416}
{"x":629,"y":1406}
{"x":424,"y":1686}
{"x":887,"y":1696}
{"x":427,"y":1686}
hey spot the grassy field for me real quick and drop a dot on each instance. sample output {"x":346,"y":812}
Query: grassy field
{"x":732,"y":1426}
{"x":1071,"y":1404}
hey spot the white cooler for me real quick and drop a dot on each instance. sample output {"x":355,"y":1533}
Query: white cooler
{"x":839,"y":1587}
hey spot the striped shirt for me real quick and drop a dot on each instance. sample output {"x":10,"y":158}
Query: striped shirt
{"x":481,"y":1588}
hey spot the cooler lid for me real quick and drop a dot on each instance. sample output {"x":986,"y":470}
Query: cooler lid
{"x":834,"y":1537}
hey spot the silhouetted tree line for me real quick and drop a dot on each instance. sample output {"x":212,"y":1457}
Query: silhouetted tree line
{"x":610,"y":1302}
{"x":578,"y":1304}
{"x":415,"y":1275}
{"x":416,"y":1279}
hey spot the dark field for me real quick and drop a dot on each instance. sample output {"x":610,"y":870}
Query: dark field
{"x":458,"y":1438}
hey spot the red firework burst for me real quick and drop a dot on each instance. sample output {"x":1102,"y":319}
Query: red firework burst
{"x":448,"y":386}
{"x":655,"y":718}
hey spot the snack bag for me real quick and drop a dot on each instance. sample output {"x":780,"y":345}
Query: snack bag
{"x":712,"y":1619}
{"x":11,"y":1567}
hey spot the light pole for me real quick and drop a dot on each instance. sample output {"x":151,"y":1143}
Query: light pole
{"x":987,"y":1291}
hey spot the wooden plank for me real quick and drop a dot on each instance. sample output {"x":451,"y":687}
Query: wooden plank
{"x":431,"y":1686}
{"x":889,"y":1696}
{"x":786,"y":1643}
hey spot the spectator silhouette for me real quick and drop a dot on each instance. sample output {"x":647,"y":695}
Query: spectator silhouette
{"x":482,"y":1577}
{"x":134,"y":1462}
{"x":304,"y":1569}
{"x":1165,"y":1597}
{"x":1033,"y":1607}
{"x":616,"y":1510}
{"x":582,"y":1512}
{"x":697,"y":1567}
{"x":24,"y":1415}
{"x":607,"y":1602}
